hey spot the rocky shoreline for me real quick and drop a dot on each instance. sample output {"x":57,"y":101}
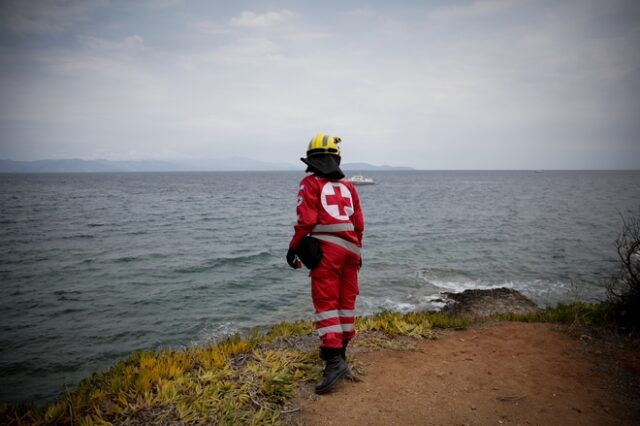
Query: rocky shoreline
{"x":476,"y":304}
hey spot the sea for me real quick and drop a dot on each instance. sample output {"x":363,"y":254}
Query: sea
{"x":96,"y":266}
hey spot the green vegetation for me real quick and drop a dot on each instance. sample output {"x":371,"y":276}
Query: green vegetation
{"x":622,"y":307}
{"x":236,"y":381}
{"x":413,"y":324}
{"x":624,"y":291}
{"x":578,"y":313}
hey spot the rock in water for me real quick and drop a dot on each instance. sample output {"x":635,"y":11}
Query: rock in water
{"x":483,"y":303}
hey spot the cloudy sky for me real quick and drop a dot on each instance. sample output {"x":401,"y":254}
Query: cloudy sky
{"x":487,"y":84}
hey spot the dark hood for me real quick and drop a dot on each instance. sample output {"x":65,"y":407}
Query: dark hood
{"x":324,"y":165}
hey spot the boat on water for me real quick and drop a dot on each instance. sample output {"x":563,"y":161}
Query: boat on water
{"x":360,"y":180}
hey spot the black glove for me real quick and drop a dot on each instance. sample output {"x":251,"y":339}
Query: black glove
{"x":291,"y":259}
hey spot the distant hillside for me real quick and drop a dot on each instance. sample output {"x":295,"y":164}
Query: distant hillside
{"x":76,"y":165}
{"x":228,"y":164}
{"x":370,"y":167}
{"x":79,"y":166}
{"x":238,"y":164}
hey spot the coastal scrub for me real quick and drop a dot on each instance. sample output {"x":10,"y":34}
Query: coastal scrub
{"x":240,"y":380}
{"x":245,"y":380}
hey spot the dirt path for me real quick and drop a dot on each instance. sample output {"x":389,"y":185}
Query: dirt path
{"x":501,"y":374}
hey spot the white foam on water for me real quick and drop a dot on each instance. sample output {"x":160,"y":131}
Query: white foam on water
{"x":369,"y":305}
{"x":429,"y":296}
{"x":548,"y":293}
{"x":217,"y":332}
{"x":402,"y":307}
{"x":435,"y":301}
{"x":541,"y":291}
{"x":455,"y":281}
{"x":457,"y":287}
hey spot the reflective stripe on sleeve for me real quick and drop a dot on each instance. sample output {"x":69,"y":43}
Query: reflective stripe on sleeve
{"x":337,"y":227}
{"x":319,"y":316}
{"x":330,"y":329}
{"x":340,"y":242}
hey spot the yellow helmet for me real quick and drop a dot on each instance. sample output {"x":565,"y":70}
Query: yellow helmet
{"x":323,"y":144}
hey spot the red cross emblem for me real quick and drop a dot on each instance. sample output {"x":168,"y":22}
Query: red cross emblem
{"x":336,"y":200}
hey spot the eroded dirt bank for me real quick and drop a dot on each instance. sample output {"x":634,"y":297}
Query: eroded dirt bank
{"x":496,"y":374}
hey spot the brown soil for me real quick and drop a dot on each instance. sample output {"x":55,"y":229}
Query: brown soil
{"x":498,"y":374}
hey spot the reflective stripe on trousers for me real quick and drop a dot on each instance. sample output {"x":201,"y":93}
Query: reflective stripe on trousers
{"x":334,"y":287}
{"x":334,"y":321}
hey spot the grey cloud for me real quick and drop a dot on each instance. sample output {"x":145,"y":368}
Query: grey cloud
{"x":260,"y":20}
{"x":41,"y":17}
{"x":473,"y":9}
{"x":487,"y":90}
{"x":131,"y":43}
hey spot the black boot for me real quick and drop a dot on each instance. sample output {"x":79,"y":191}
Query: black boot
{"x":335,"y":369}
{"x":343,"y":352}
{"x":343,"y":355}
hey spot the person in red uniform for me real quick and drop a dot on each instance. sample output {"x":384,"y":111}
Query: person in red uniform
{"x":328,"y":238}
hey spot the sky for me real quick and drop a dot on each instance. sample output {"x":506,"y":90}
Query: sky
{"x":486,"y":84}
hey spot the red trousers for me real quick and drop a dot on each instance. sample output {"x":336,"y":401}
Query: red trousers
{"x":334,"y":287}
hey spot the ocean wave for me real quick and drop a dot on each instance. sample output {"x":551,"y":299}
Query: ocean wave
{"x":78,"y":237}
{"x":371,"y":305}
{"x":223,"y":261}
{"x":460,"y":286}
{"x":69,"y":311}
{"x":37,"y":366}
{"x":71,"y":296}
{"x":458,"y":281}
{"x":215,"y":333}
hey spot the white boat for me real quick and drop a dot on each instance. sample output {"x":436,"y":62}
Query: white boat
{"x":360,"y":180}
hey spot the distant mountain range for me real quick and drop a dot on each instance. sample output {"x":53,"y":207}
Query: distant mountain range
{"x":370,"y":167}
{"x":228,"y":164}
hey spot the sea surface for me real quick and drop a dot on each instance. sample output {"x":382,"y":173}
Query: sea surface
{"x":96,"y":266}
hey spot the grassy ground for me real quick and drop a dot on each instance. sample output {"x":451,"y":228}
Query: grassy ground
{"x":239,"y":381}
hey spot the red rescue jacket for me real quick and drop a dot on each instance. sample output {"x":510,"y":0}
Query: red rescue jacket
{"x":329,"y":211}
